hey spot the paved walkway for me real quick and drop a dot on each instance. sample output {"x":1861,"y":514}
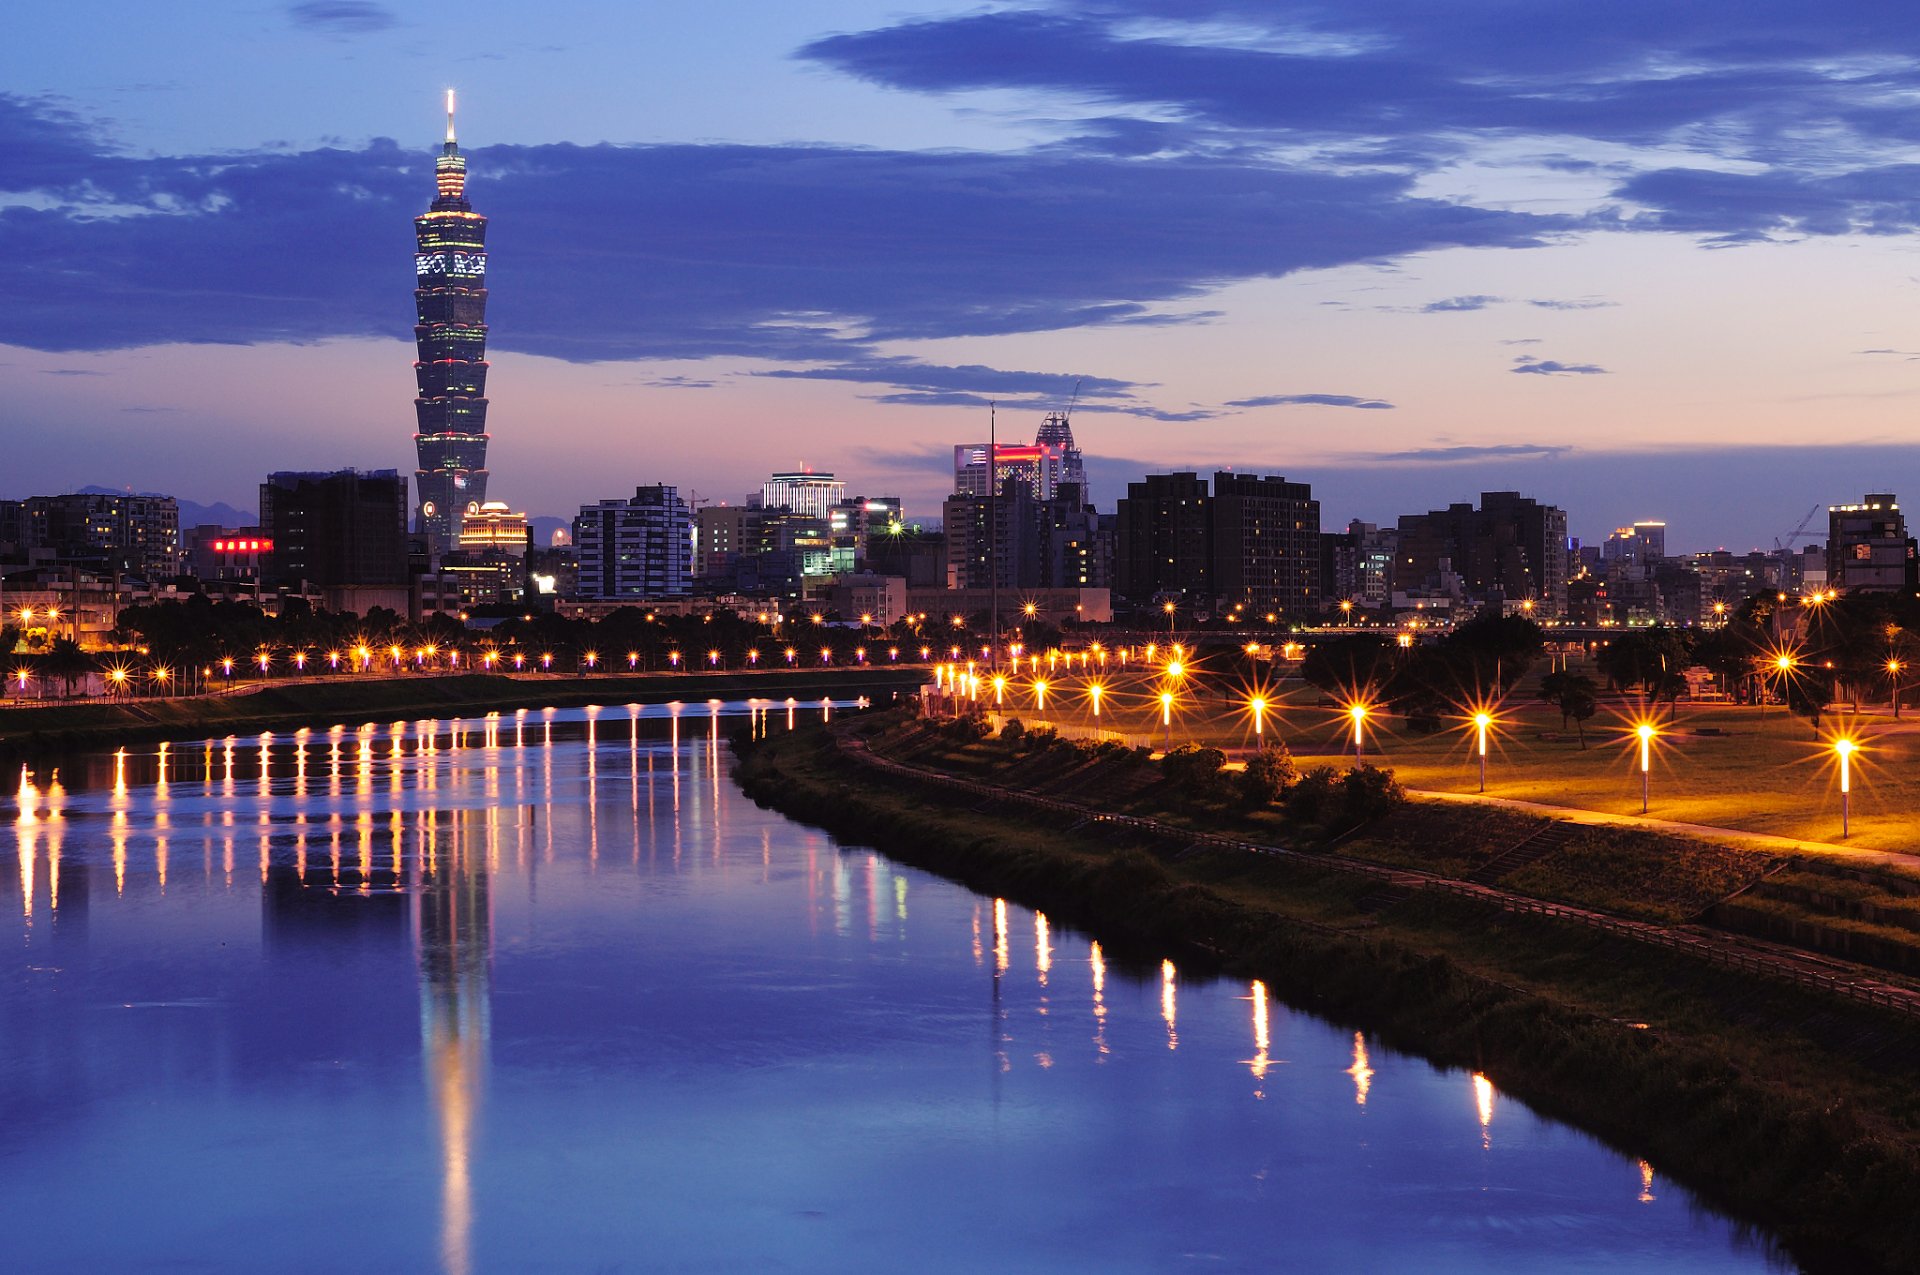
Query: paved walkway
{"x":1755,"y":840}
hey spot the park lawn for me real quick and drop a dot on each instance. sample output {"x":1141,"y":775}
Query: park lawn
{"x":1764,"y":774}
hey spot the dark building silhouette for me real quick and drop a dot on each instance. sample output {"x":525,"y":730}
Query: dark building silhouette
{"x":106,"y":532}
{"x":337,"y":531}
{"x":1511,"y":549}
{"x":1163,"y":539}
{"x":450,"y":302}
{"x":1867,"y":546}
{"x":1266,"y":545}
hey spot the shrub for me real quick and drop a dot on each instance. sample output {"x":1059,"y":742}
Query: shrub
{"x":1269,"y":773}
{"x":1013,"y":732}
{"x":1193,"y":764}
{"x":1368,"y":792}
{"x":968,"y":729}
{"x":1315,"y":796}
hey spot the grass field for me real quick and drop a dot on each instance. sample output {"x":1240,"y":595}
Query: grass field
{"x":1721,"y":765}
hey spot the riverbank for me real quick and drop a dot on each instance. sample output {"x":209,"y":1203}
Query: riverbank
{"x":30,"y":730}
{"x":1783,"y":1105}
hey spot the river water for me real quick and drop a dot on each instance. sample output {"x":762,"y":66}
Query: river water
{"x":546,"y":993}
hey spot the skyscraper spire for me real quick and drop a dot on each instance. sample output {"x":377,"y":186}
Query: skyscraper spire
{"x":449,"y":117}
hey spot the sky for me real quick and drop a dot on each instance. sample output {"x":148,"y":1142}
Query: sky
{"x":1640,"y":260}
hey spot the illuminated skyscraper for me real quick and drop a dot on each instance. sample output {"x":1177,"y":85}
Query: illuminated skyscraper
{"x":450,"y":299}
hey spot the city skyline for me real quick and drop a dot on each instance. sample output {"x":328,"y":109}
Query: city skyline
{"x":1232,"y":233}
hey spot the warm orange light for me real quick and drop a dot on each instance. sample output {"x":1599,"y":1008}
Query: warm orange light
{"x":1040,"y":694}
{"x":1257,"y":705}
{"x":1844,"y":749}
{"x":1166,"y":708}
{"x":1093,"y":693}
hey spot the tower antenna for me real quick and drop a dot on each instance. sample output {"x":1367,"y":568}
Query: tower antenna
{"x":449,"y":117}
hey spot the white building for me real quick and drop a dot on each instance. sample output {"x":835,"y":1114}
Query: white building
{"x":639,"y":549}
{"x":804,"y":492}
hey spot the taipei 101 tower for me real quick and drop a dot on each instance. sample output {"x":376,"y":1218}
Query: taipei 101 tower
{"x":450,"y":300}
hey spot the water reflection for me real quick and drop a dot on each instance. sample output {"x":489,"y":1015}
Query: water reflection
{"x":693,"y":1044}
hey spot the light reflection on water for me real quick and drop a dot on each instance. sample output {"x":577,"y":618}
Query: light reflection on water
{"x":543,"y":991}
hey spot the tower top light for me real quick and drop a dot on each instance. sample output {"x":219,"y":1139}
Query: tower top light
{"x":449,"y":117}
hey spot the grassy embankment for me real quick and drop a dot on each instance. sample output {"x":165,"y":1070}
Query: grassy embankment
{"x":1781,"y":1105}
{"x":1726,"y":765}
{"x":29,"y":730}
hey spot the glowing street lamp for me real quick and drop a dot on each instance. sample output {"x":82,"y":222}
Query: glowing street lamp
{"x":1481,"y":721}
{"x":753,"y":656}
{"x":1257,"y":705}
{"x":226,"y":665}
{"x":1040,"y":694}
{"x":790,"y":653}
{"x":519,"y":660}
{"x":1093,"y":693}
{"x":713,"y":657}
{"x":1646,"y":732}
{"x":118,"y":676}
{"x":633,"y":660}
{"x":1844,"y":749}
{"x":264,"y":660}
{"x":999,"y":690}
{"x":1893,"y":675}
{"x":1166,"y":717}
{"x":592,"y":658}
{"x":1358,"y":712}
{"x":673,"y":658}
{"x":160,"y":676}
{"x":546,"y":659}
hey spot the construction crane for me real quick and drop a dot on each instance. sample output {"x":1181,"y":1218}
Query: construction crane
{"x":1074,"y":400}
{"x":1782,"y":546}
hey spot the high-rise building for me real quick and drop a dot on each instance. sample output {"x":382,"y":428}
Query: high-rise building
{"x":1867,"y":546}
{"x":1643,"y":542}
{"x":1038,"y":467}
{"x":450,"y":305}
{"x":720,"y":534}
{"x":1163,"y":539}
{"x":339,"y":531}
{"x":1057,"y":431}
{"x":1510,"y":549}
{"x":803,"y":492}
{"x":1266,"y":544}
{"x":107,"y":531}
{"x":634,"y":549}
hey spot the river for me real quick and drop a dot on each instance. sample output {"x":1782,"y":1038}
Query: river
{"x":544,"y":992}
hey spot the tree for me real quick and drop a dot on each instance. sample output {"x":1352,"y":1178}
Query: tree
{"x":1269,"y":773}
{"x":66,"y":661}
{"x":1349,"y":665}
{"x":1808,"y":696}
{"x":1666,"y":684}
{"x":1577,"y":697}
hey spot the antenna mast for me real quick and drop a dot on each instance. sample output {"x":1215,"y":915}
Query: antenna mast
{"x":449,"y":117}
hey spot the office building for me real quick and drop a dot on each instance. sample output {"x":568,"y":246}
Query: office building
{"x":636,"y":549}
{"x":1266,"y":545}
{"x":1510,"y":549}
{"x":1056,"y":431}
{"x":1037,"y":467}
{"x":1163,"y":540}
{"x":106,"y":532}
{"x":803,"y":492}
{"x":1867,"y":546}
{"x":450,"y":332}
{"x":1643,"y":542}
{"x":343,"y":533}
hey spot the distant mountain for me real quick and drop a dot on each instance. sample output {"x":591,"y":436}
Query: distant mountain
{"x":192,"y":513}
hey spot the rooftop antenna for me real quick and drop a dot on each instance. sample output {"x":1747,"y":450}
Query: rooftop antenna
{"x":449,"y":117}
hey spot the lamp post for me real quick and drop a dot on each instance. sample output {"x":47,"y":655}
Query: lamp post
{"x":1646,"y":731}
{"x":1358,"y":712}
{"x":1844,"y":749}
{"x":1893,"y":675}
{"x":1166,"y":717}
{"x":1093,"y":693}
{"x":1257,"y":705}
{"x":1481,"y":721}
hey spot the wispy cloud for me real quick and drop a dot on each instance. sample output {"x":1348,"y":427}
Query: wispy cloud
{"x":1459,"y":305}
{"x":1576,"y":303}
{"x":69,"y":371}
{"x":1553,"y":367}
{"x":342,"y":17}
{"x":1312,"y":400}
{"x":1456,"y":454}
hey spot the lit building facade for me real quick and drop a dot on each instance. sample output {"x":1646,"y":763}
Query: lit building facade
{"x":107,"y":531}
{"x":803,"y":492}
{"x":494,"y":527}
{"x":1057,"y":432}
{"x":1038,"y":467}
{"x":450,"y":304}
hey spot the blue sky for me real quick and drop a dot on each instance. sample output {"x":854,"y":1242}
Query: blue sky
{"x":1640,"y":260}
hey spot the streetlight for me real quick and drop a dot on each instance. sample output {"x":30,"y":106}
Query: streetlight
{"x":1166,"y":717}
{"x":1481,"y":721}
{"x":1040,"y":694}
{"x":1893,"y":675}
{"x":1844,"y":749}
{"x":1093,"y":693}
{"x":1646,"y":731}
{"x":999,"y":689}
{"x":1169,"y":610}
{"x":1358,"y":712}
{"x":1257,"y":705}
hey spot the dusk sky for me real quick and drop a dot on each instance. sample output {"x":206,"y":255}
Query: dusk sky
{"x":1637,"y":259}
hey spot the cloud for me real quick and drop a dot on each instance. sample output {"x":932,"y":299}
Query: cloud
{"x":1319,"y":400}
{"x":912,"y":374}
{"x":69,"y":371}
{"x":141,"y":408}
{"x":1553,"y":367}
{"x":1455,"y":455}
{"x":342,"y":17}
{"x":1452,"y":305}
{"x":1522,"y":340}
{"x":680,"y":383}
{"x":1578,"y":303}
{"x":790,"y":253}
